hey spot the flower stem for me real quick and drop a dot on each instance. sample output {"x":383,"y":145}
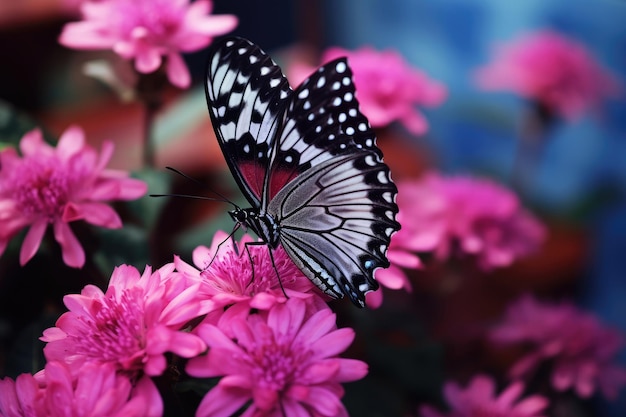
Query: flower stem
{"x":532,"y":140}
{"x":150,"y":92}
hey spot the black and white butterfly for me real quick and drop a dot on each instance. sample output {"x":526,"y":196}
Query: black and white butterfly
{"x":307,"y":161}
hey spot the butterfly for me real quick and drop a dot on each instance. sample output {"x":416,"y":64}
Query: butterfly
{"x":307,"y":162}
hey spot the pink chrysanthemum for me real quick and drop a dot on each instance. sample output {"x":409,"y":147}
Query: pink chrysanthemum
{"x":388,"y":88}
{"x":279,"y":362}
{"x":57,"y":186}
{"x":401,"y":255}
{"x":582,"y":350}
{"x":147,"y":30}
{"x":551,"y":69}
{"x":97,"y":390}
{"x":227,"y":276}
{"x":131,"y":326}
{"x":464,"y":215}
{"x":479,"y":399}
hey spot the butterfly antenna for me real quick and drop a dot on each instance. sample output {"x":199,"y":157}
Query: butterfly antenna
{"x":221,"y":198}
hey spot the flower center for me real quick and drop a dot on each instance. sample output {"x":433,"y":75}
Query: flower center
{"x":42,"y":189}
{"x":277,"y":365}
{"x":117,"y":333}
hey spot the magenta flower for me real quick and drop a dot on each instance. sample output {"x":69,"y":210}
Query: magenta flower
{"x":227,"y":278}
{"x":280,"y":360}
{"x":388,"y":88}
{"x":401,"y":256}
{"x":132,"y":326}
{"x":96,"y":391}
{"x":479,"y":399}
{"x":57,"y":186}
{"x":582,"y":351}
{"x":551,"y":69}
{"x":147,"y":31}
{"x":464,"y":215}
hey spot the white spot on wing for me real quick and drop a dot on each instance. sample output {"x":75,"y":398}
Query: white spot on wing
{"x":341,"y":67}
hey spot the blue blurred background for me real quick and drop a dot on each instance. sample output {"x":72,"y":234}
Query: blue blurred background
{"x":475,"y":131}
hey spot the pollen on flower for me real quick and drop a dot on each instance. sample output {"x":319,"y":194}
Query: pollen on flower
{"x":41,"y":188}
{"x":116,"y":333}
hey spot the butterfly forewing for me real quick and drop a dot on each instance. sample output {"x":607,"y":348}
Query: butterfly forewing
{"x":247,"y":94}
{"x":322,"y":121}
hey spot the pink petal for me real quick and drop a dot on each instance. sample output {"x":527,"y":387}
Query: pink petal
{"x":147,"y":60}
{"x":146,"y":400}
{"x":73,"y":254}
{"x":351,"y":370}
{"x":84,"y":35}
{"x":177,"y":71}
{"x":32,"y":142}
{"x":71,"y":143}
{"x":222,"y":402}
{"x":333,"y":343}
{"x":95,"y":213}
{"x":32,"y":241}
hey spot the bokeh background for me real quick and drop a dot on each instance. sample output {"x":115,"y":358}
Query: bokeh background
{"x":579,"y":184}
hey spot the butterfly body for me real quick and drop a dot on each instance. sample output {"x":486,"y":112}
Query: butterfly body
{"x":307,"y":162}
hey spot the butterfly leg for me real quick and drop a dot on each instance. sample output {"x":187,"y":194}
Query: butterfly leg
{"x":235,"y":247}
{"x":271,"y":252}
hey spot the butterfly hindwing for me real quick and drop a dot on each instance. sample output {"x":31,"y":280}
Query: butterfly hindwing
{"x":336,"y":221}
{"x":247,"y":94}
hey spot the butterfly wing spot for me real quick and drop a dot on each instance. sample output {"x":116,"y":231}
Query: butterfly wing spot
{"x":321,"y":82}
{"x":341,"y":67}
{"x":346,"y":81}
{"x":307,"y":106}
{"x":337,"y":102}
{"x":353,"y":112}
{"x":342,"y":117}
{"x":242,"y":51}
{"x":348,"y":96}
{"x":350,"y":131}
{"x":274,"y":82}
{"x":362,"y":128}
{"x":336,"y":86}
{"x":303,"y":94}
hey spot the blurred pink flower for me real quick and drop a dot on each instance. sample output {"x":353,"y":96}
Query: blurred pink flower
{"x":547,"y":67}
{"x":96,"y":391}
{"x":479,"y":399}
{"x":401,"y":255}
{"x":582,"y":350}
{"x":468,"y":215}
{"x":388,"y":89}
{"x":284,"y":362}
{"x":56,"y":186}
{"x":227,"y":276}
{"x":132,"y":326}
{"x":147,"y":30}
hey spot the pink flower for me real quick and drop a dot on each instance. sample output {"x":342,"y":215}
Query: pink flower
{"x":282,"y":361}
{"x":401,"y":256}
{"x":582,"y":351}
{"x":227,"y":277}
{"x":96,"y":391}
{"x":466,"y":215}
{"x":479,"y":399}
{"x":388,"y":88}
{"x":547,"y":67}
{"x":147,"y":30}
{"x":58,"y":186}
{"x":131,"y":326}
